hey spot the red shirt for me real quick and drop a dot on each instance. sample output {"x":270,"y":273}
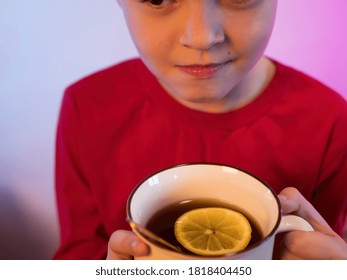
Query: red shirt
{"x":118,"y":126}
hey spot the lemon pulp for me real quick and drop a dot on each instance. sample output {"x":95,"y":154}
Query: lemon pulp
{"x":213,"y":231}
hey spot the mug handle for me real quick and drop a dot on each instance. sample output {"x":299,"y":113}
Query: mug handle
{"x":292,"y":222}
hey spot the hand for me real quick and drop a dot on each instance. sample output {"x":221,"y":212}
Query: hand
{"x":323,"y":243}
{"x":124,"y":245}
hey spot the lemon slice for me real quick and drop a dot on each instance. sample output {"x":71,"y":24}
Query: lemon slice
{"x":213,"y":231}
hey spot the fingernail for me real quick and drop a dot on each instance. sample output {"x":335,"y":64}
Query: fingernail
{"x":282,"y":196}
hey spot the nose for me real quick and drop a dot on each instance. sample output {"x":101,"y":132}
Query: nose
{"x":202,"y":29}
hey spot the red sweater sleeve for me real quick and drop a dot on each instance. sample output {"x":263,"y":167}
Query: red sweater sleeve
{"x":330,"y":197}
{"x":82,"y":233}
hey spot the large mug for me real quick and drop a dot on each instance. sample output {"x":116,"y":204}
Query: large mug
{"x":227,"y":184}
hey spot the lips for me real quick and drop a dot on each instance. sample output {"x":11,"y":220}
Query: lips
{"x":201,"y":71}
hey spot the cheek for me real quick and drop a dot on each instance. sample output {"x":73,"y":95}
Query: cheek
{"x":152,"y":50}
{"x":255,"y":29}
{"x":138,"y":28}
{"x":254,"y":39}
{"x":138,"y":36}
{"x":261,"y":40}
{"x":146,"y":40}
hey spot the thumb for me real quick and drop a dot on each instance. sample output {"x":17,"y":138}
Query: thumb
{"x":292,"y":201}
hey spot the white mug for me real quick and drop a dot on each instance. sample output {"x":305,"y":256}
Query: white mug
{"x":219,"y":182}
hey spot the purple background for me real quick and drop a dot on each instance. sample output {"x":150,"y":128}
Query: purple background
{"x":312,"y":36}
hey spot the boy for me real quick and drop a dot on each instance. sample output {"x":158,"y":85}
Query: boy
{"x":202,"y":92}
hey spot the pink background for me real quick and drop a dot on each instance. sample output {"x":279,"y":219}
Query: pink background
{"x":312,"y":35}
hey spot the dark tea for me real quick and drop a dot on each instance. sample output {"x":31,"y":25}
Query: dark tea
{"x":162,"y":223}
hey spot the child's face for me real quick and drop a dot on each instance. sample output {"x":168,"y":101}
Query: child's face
{"x":201,"y":51}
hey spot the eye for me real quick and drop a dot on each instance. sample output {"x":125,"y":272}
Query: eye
{"x":157,"y":4}
{"x":241,"y":3}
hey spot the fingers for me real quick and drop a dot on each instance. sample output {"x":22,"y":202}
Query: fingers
{"x":293,"y":202}
{"x":125,"y":245}
{"x":313,"y":245}
{"x":323,"y":243}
